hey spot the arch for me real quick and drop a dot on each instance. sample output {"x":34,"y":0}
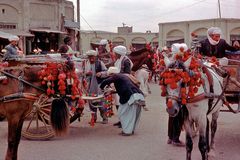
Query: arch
{"x":138,"y":43}
{"x":119,"y":41}
{"x":139,"y":40}
{"x":10,"y":14}
{"x":235,"y":35}
{"x":201,"y":33}
{"x":235,"y":31}
{"x":174,"y":36}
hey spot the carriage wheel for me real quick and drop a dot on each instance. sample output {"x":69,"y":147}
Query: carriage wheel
{"x":37,"y":123}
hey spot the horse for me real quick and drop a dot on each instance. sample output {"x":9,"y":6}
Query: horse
{"x":140,"y":57}
{"x":197,"y":95}
{"x":142,"y":75}
{"x":20,"y":87}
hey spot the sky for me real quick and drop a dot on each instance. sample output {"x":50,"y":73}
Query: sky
{"x":143,"y":15}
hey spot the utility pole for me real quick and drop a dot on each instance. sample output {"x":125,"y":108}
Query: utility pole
{"x":79,"y":47}
{"x":219,"y":9}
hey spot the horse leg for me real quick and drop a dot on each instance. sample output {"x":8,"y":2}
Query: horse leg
{"x":14,"y":135}
{"x":213,"y":129}
{"x":189,"y":142}
{"x":189,"y":146}
{"x":211,"y":153}
{"x":203,"y":138}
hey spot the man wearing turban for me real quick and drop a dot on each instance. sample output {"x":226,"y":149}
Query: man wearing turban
{"x":12,"y":51}
{"x":214,"y":45}
{"x":124,"y":64}
{"x":96,"y":71}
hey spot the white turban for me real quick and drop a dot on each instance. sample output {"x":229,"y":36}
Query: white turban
{"x":176,"y":47}
{"x":113,"y":70}
{"x":120,"y":50}
{"x":211,"y":31}
{"x":104,"y":42}
{"x":13,"y":38}
{"x":214,"y":30}
{"x":91,"y":53}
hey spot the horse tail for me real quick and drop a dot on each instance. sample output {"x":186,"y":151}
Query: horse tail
{"x":59,"y":117}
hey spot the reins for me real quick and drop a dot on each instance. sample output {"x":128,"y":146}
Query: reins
{"x":20,"y":95}
{"x":22,"y":80}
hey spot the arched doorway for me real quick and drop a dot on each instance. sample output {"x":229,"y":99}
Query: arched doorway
{"x":174,"y":36}
{"x":119,"y":41}
{"x":138,"y":43}
{"x":235,"y":35}
{"x":201,"y":33}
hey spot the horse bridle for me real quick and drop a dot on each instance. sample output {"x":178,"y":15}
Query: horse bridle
{"x":203,"y":96}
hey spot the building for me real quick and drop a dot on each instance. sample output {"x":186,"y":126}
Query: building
{"x":39,"y":23}
{"x":125,"y":36}
{"x":173,"y":32}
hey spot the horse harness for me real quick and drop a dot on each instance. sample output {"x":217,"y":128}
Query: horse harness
{"x":19,"y":95}
{"x":210,"y":95}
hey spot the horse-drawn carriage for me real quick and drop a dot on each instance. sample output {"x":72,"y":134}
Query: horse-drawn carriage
{"x":196,"y":88}
{"x":38,"y":89}
{"x":232,"y":91}
{"x":37,"y":122}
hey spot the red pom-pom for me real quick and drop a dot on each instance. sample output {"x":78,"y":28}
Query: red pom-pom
{"x":169,"y":103}
{"x":184,"y":101}
{"x":49,"y":91}
{"x":181,"y":49}
{"x":173,"y":86}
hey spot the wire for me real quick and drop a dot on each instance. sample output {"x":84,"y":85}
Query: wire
{"x":87,"y":23}
{"x":181,"y":8}
{"x":174,"y":10}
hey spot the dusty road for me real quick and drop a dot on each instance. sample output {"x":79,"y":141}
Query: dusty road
{"x":103,"y":142}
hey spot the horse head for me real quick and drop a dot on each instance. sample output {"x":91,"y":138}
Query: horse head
{"x":142,"y":56}
{"x":172,"y":85}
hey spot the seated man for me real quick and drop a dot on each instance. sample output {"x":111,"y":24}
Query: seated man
{"x":12,"y":51}
{"x":214,"y":45}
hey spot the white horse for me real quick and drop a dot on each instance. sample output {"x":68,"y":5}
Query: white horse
{"x":142,"y":76}
{"x":205,"y":104}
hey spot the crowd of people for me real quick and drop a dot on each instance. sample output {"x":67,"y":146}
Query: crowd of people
{"x":129,"y":98}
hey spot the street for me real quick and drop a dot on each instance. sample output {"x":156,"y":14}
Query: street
{"x":103,"y":142}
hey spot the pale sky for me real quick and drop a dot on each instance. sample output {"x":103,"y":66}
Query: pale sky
{"x":143,"y":15}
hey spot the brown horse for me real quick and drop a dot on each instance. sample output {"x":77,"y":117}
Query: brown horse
{"x":17,"y":94}
{"x":140,"y":57}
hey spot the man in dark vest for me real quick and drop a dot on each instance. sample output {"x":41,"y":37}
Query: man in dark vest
{"x":95,"y":73}
{"x":213,"y":45}
{"x":12,"y":50}
{"x":124,"y":64}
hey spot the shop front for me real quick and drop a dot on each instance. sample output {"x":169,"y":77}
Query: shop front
{"x":46,"y":40}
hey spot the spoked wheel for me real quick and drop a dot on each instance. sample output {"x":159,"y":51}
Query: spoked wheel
{"x":37,"y":123}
